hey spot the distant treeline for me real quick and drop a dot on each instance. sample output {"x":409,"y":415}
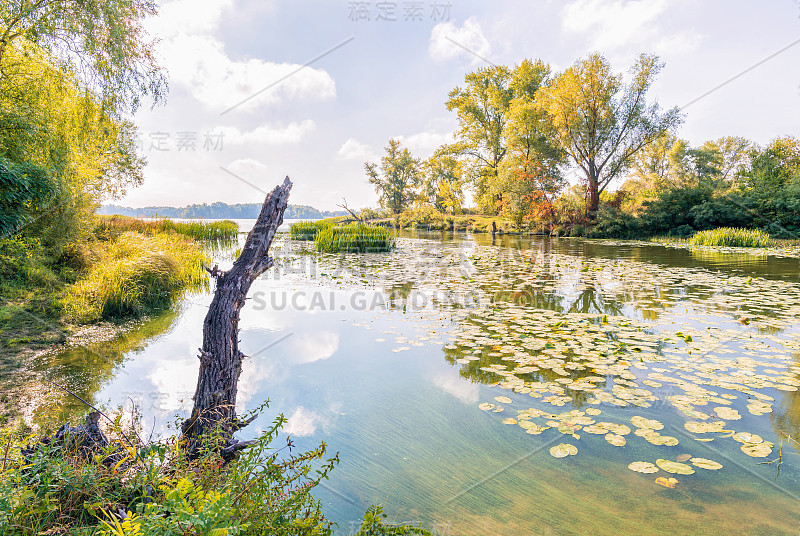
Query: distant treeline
{"x":218,"y":210}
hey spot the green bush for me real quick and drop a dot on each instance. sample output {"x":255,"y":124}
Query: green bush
{"x":307,"y":230}
{"x":267,"y":489}
{"x":728,"y":236}
{"x":355,"y":238}
{"x":136,"y":273}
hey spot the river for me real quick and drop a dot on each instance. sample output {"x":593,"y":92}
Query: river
{"x":448,"y":372}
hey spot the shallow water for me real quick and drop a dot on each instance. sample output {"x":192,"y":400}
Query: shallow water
{"x":389,"y":359}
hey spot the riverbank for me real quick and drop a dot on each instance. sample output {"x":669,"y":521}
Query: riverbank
{"x":125,"y":269}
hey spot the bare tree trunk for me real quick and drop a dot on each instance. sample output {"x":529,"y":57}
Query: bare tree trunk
{"x":220,"y":358}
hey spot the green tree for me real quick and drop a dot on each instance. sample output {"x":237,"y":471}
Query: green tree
{"x":396,"y":177}
{"x":443,"y":182}
{"x":104,"y":42}
{"x":602,"y":122}
{"x":65,"y":140}
{"x":530,"y":174}
{"x":481,"y":106}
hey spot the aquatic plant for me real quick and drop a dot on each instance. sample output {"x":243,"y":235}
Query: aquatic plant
{"x":307,"y":230}
{"x":135,"y":273}
{"x":110,"y":227}
{"x":731,"y":236}
{"x":355,"y":238}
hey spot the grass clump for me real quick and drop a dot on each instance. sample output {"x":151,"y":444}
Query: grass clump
{"x":134,"y":274}
{"x":308,"y":230}
{"x":731,"y":236}
{"x":112,"y":226}
{"x":355,"y":238}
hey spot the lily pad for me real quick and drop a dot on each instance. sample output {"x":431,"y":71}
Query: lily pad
{"x":674,"y":467}
{"x":667,"y":482}
{"x":643,"y":467}
{"x":563,"y":450}
{"x":703,"y":463}
{"x":757,"y":450}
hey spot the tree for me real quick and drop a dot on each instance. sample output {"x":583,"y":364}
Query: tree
{"x":443,"y":182}
{"x":396,"y":178}
{"x":214,"y":408}
{"x":602,"y":122}
{"x":481,"y":106}
{"x":63,"y":139}
{"x":530,"y":174}
{"x":103,"y":42}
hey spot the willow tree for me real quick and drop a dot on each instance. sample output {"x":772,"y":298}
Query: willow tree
{"x":601,"y":121}
{"x":104,"y":43}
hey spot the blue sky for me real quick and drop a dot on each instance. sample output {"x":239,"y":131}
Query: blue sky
{"x":390,"y":79}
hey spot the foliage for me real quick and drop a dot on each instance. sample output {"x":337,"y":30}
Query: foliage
{"x":113,"y":226}
{"x":266,"y":490}
{"x":425,"y":216}
{"x":61,"y":150}
{"x":308,"y":230}
{"x":601,"y":122}
{"x":104,"y":42}
{"x":481,"y":106}
{"x":373,"y":525}
{"x":394,"y":180}
{"x":354,"y":238}
{"x":443,"y":184}
{"x":731,"y":236}
{"x":136,"y":273}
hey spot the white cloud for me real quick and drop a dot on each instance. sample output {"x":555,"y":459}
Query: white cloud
{"x":353,"y":149}
{"x":270,"y":134}
{"x":199,"y":63}
{"x":302,"y":422}
{"x":247,"y":167}
{"x":196,"y":59}
{"x":315,"y":346}
{"x":615,"y":24}
{"x":457,"y":386}
{"x":444,"y":37}
{"x":187,"y":17}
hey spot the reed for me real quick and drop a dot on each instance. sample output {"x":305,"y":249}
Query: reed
{"x":731,"y":236}
{"x":136,"y":273}
{"x":355,"y":238}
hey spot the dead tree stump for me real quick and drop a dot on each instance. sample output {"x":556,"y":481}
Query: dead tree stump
{"x":220,"y":359}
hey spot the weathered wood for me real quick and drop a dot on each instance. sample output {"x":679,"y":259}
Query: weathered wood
{"x":220,"y":358}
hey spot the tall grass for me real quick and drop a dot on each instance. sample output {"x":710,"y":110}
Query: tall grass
{"x":136,"y":273}
{"x":113,"y":226}
{"x":731,"y":236}
{"x":355,"y":238}
{"x":307,"y":230}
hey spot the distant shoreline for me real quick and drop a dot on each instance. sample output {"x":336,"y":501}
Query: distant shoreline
{"x":217,"y":211}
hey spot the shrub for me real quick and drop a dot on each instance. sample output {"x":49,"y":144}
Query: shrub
{"x":267,"y":489}
{"x":355,"y":238}
{"x":307,"y":230}
{"x":729,"y":236}
{"x":136,"y":273}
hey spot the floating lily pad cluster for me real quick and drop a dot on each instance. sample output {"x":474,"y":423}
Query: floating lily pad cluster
{"x":582,"y":336}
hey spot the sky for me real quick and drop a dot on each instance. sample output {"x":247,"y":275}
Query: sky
{"x":262,"y":89}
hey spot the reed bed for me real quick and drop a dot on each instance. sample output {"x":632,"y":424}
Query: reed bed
{"x":308,"y":230}
{"x":355,"y":238}
{"x":136,"y":273}
{"x":732,"y":237}
{"x":112,"y":226}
